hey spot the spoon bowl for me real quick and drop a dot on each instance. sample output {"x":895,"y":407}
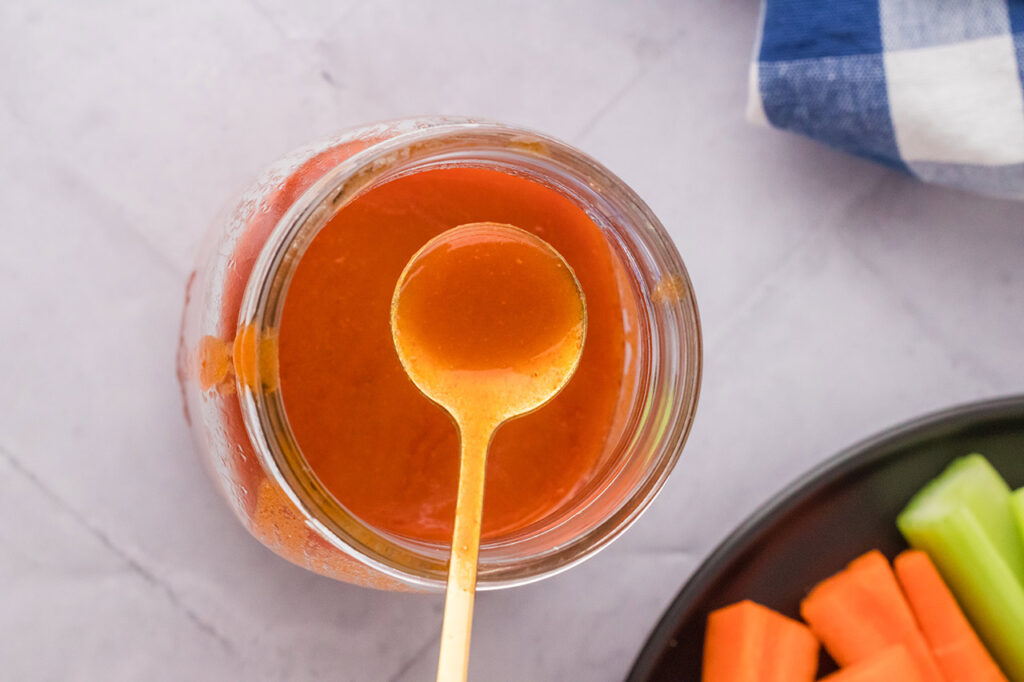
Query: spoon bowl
{"x":505,"y":353}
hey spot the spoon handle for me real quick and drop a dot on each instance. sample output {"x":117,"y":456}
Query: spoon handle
{"x":453,"y":662}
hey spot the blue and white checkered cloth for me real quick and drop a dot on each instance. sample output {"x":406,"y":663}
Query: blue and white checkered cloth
{"x":931,"y":87}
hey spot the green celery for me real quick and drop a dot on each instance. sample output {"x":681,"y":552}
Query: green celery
{"x":965,"y":521}
{"x":972,"y":482}
{"x":978,"y":575}
{"x":1017,"y":504}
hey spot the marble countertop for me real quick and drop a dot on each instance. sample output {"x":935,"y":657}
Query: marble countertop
{"x":838,"y":298}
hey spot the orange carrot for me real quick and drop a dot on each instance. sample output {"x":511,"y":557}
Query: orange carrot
{"x":747,"y":642}
{"x":890,"y":665}
{"x":861,"y":611}
{"x":957,"y":649}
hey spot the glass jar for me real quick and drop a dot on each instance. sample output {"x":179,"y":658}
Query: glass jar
{"x":227,"y":361}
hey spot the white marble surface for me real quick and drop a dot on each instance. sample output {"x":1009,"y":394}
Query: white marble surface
{"x":837,"y":297}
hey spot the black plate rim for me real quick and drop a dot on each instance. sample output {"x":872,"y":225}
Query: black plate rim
{"x":869,"y":451}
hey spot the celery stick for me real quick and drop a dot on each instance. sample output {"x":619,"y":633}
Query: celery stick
{"x":972,"y":482}
{"x":1017,"y":504}
{"x":976,"y":572}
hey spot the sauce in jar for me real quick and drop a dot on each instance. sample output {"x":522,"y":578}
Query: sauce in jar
{"x":299,"y":406}
{"x":384,"y":450}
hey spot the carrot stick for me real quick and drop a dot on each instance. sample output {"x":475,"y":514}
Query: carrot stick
{"x":861,"y":611}
{"x":747,"y":642}
{"x":890,"y":665}
{"x":956,"y":647}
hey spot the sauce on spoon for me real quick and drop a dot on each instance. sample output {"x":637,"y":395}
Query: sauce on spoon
{"x":489,"y":322}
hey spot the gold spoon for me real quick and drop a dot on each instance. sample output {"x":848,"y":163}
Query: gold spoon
{"x":489,"y":322}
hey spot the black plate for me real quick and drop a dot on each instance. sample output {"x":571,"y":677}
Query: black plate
{"x":827,"y":518}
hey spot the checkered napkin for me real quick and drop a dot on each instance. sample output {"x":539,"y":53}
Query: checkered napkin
{"x":931,"y":87}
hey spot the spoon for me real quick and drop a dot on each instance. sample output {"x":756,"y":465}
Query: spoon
{"x":489,"y":322}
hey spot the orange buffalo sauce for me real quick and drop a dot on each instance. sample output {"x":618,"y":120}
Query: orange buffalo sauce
{"x":487,"y":304}
{"x":383,"y":449}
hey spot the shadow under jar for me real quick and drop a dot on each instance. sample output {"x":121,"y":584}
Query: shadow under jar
{"x":321,"y":444}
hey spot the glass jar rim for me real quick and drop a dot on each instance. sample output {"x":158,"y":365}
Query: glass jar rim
{"x":671,"y":308}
